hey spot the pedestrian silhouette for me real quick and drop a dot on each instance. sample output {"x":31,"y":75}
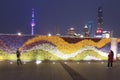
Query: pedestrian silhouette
{"x":110,"y":58}
{"x":18,"y":57}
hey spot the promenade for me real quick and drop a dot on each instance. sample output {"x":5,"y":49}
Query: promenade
{"x":59,"y":71}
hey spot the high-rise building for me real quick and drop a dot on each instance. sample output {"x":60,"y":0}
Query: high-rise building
{"x":86,"y":31}
{"x":71,"y":31}
{"x":100,"y":17}
{"x":99,"y":30}
{"x":90,"y":28}
{"x":32,"y":22}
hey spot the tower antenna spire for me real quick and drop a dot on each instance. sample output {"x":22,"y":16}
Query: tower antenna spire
{"x":33,"y":22}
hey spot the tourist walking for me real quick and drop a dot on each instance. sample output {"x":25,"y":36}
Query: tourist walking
{"x":18,"y":57}
{"x":110,"y":58}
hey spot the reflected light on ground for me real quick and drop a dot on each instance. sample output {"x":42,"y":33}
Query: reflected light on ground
{"x":88,"y":62}
{"x":77,"y":62}
{"x":102,"y":62}
{"x":24,"y":62}
{"x":11,"y":62}
{"x":53,"y":62}
{"x":38,"y":62}
{"x":65,"y":62}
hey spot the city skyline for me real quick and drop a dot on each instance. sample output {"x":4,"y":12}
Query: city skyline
{"x":53,"y":16}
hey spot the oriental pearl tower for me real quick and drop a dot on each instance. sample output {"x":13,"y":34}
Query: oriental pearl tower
{"x":32,"y":22}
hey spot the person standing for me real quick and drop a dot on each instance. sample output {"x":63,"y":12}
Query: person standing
{"x":18,"y":57}
{"x":110,"y":58}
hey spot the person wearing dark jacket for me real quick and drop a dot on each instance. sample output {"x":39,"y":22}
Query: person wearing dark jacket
{"x":110,"y":58}
{"x":18,"y":57}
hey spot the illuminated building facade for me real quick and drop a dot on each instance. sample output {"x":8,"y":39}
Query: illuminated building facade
{"x":99,"y":30}
{"x":90,"y":28}
{"x":71,"y":31}
{"x":86,"y":31}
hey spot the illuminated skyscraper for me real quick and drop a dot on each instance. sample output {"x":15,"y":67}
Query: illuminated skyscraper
{"x":91,"y":28}
{"x":99,"y":30}
{"x":32,"y":22}
{"x":86,"y":30}
{"x":100,"y":17}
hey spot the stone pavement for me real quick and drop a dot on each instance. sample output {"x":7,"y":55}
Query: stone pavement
{"x":59,"y":71}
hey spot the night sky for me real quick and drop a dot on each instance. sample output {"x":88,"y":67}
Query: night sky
{"x":52,"y":16}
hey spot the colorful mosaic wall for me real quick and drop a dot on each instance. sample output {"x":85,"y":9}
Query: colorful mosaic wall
{"x":118,"y":40}
{"x":54,"y":48}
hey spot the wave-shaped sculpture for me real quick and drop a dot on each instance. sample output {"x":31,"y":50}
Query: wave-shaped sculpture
{"x":64,"y":46}
{"x":56,"y":52}
{"x":53,"y":48}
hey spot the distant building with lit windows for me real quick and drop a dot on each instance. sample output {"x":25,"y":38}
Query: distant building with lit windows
{"x":86,"y":31}
{"x":90,"y":28}
{"x":99,"y":30}
{"x":71,"y":31}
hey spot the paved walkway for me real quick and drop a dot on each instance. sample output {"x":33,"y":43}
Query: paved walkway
{"x":59,"y":71}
